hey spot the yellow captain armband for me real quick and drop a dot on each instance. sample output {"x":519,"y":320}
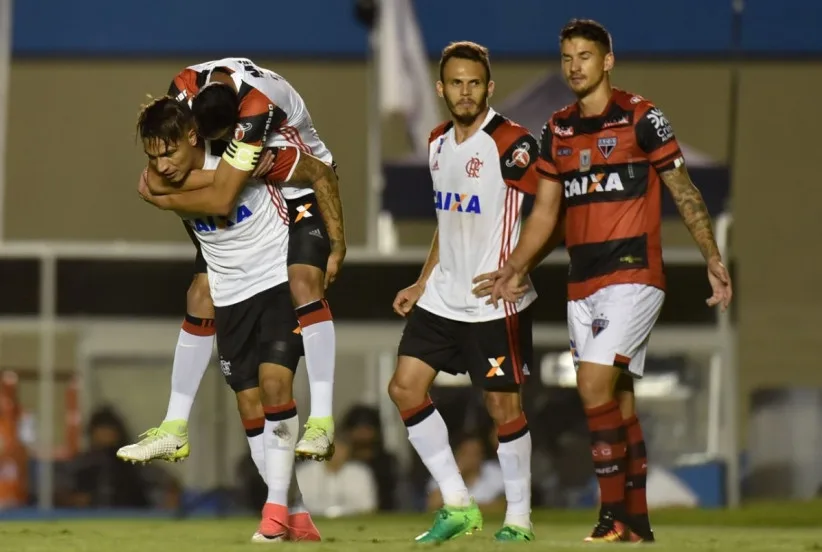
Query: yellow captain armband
{"x":242,"y":156}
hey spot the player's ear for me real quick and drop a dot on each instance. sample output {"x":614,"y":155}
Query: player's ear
{"x":439,"y":89}
{"x":192,"y":137}
{"x":609,"y":61}
{"x":491,"y":87}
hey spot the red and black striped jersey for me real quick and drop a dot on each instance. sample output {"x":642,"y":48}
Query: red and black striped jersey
{"x":609,"y":167}
{"x":271,"y":112}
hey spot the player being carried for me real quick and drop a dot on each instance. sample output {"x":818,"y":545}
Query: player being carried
{"x":605,"y":158}
{"x":482,"y":165}
{"x":242,"y":108}
{"x":246,"y":253}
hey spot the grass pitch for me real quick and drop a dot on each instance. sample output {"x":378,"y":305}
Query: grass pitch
{"x":759,"y":528}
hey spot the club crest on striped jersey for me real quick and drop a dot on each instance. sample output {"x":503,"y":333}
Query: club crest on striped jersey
{"x":606,"y":145}
{"x":520,"y":156}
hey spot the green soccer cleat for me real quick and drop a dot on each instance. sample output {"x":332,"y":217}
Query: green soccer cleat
{"x":168,"y":442}
{"x":452,"y":522}
{"x":318,"y":440}
{"x":510,"y":533}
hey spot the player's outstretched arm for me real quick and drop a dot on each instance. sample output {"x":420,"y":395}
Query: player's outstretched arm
{"x":539,"y":227}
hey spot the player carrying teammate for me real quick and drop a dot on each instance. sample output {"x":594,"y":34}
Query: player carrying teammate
{"x":251,"y":107}
{"x":606,"y":154}
{"x":246,"y":254}
{"x":481,"y":164}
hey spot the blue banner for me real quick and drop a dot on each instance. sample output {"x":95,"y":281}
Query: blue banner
{"x":328,"y":28}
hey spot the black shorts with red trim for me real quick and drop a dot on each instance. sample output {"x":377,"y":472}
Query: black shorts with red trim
{"x":308,"y":241}
{"x":496,"y":354}
{"x":263,"y":329}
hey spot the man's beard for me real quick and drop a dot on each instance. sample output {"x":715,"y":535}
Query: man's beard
{"x":580,"y":94}
{"x":467,"y":118}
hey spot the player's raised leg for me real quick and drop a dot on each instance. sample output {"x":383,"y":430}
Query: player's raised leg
{"x":308,"y":252}
{"x":433,"y":339}
{"x":502,"y":351}
{"x":195,"y":344}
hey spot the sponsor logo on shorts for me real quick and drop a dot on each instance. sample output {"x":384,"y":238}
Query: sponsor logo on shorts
{"x":496,"y":367}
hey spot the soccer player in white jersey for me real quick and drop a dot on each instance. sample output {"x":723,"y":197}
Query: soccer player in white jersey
{"x":482,"y":165}
{"x":249,"y":107}
{"x":246,"y":250}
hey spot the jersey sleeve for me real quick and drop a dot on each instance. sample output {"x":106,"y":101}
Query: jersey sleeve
{"x":656,"y":138}
{"x":286,"y":159}
{"x":257,"y":118}
{"x":518,"y":164}
{"x":184,"y":86}
{"x":545,"y":164}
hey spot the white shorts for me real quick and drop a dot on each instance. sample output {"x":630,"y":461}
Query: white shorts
{"x":613,"y":325}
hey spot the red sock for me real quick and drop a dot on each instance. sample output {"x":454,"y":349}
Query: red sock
{"x":608,"y":449}
{"x":637,"y":471}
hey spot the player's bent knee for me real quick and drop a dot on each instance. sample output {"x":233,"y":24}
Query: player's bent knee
{"x":276,"y":384}
{"x":410,"y":383}
{"x":596,"y":382}
{"x":306,"y":283}
{"x":503,"y":406}
{"x":198,"y":298}
{"x":249,"y":404}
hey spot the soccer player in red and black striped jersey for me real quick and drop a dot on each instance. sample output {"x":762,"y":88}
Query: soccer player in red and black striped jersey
{"x":602,"y":162}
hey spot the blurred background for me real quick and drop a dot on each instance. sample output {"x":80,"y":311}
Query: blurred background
{"x":93,"y":280}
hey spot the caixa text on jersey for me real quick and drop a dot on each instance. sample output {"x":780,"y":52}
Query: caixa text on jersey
{"x":453,"y":201}
{"x":213,"y":223}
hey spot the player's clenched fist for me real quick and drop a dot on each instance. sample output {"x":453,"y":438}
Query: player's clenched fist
{"x":407,"y":298}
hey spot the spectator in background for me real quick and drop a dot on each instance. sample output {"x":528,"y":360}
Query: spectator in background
{"x":340,"y":487}
{"x":482,"y":476}
{"x":100,"y":480}
{"x":364,"y":429}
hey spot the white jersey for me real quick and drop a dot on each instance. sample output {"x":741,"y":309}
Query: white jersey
{"x":479,"y":186}
{"x":246,"y":252}
{"x":271,"y":114}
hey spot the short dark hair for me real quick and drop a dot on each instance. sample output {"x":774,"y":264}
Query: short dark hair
{"x":466,"y":50}
{"x":215,"y":109}
{"x":589,"y":30}
{"x":165,"y":119}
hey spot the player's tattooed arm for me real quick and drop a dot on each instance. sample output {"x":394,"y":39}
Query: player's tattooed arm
{"x":323,"y":180}
{"x":693,"y":210}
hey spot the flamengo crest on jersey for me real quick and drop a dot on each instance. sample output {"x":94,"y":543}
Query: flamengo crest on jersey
{"x":478,"y":215}
{"x":246,"y":252}
{"x":297,"y":128}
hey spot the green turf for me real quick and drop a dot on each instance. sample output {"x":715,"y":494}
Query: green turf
{"x":765,"y":527}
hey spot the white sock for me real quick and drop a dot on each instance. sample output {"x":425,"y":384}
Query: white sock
{"x":191,"y":359}
{"x":280,"y":435}
{"x":295,"y":497}
{"x":515,"y":463}
{"x":256,"y":443}
{"x":320,"y":343}
{"x":428,"y":435}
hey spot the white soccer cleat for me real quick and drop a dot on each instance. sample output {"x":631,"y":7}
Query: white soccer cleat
{"x":168,"y":442}
{"x":318,"y":440}
{"x":259,"y":538}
